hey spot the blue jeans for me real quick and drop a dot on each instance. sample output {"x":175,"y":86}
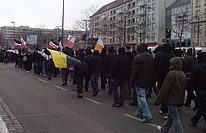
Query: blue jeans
{"x":94,"y":81}
{"x":142,"y":109}
{"x":173,"y":117}
{"x":119,"y":97}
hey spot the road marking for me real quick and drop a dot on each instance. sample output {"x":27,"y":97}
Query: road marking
{"x":43,"y":80}
{"x":135,"y":118}
{"x":31,"y":76}
{"x":91,"y":100}
{"x":3,"y":128}
{"x":60,"y":88}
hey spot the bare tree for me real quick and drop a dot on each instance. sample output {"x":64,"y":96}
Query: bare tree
{"x":181,"y":17}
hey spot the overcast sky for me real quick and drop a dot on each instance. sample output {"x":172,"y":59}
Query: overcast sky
{"x":36,"y":13}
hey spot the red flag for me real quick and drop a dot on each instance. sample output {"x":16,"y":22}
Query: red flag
{"x":23,"y":43}
{"x":70,"y":41}
{"x":16,"y":45}
{"x":51,"y":45}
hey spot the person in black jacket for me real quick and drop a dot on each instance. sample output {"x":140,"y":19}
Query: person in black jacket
{"x":120,"y":75}
{"x":96,"y":65}
{"x":87,"y":59}
{"x":188,"y":66}
{"x":142,"y":77}
{"x":80,"y":71}
{"x":109,"y":61}
{"x":198,"y":78}
{"x":162,"y":59}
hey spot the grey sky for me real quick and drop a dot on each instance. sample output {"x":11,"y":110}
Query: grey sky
{"x":35,"y":13}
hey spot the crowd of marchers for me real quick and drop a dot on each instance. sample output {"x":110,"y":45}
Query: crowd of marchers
{"x":132,"y":74}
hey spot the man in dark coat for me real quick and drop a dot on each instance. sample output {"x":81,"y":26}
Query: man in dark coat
{"x":96,"y":69}
{"x":142,"y":77}
{"x":162,"y":59}
{"x":109,"y":61}
{"x":120,"y":75}
{"x":173,"y":92}
{"x":198,"y":78}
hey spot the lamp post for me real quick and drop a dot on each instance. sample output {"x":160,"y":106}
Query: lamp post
{"x":63,"y":24}
{"x":58,"y":31}
{"x":13,"y":29}
{"x":86,"y":24}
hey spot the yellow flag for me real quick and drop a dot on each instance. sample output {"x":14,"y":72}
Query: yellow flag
{"x":99,"y":46}
{"x":59,"y":58}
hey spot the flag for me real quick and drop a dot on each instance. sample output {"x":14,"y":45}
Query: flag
{"x":59,"y":58}
{"x":70,"y":41}
{"x":44,"y":54}
{"x":99,"y":45}
{"x":60,"y":46}
{"x":13,"y":51}
{"x":16,"y":44}
{"x":23,"y":43}
{"x":52,"y":45}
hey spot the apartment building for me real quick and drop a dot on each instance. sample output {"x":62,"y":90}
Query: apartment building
{"x":130,"y":22}
{"x":40,"y":37}
{"x":198,"y":23}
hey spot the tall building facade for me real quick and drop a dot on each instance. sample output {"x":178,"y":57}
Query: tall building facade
{"x":43,"y":36}
{"x":130,"y":22}
{"x":198,"y":23}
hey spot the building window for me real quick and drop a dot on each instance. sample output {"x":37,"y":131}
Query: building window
{"x":153,"y":6}
{"x":153,"y":16}
{"x":197,"y":12}
{"x":197,"y":3}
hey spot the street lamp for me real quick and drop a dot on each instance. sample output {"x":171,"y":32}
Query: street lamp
{"x":63,"y":24}
{"x":13,"y":29}
{"x":58,"y":31}
{"x":86,"y":21}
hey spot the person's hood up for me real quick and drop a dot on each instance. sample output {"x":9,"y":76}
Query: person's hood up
{"x":175,"y":63}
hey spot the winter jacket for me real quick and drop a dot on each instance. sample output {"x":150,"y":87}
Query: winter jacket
{"x":198,"y":77}
{"x":121,"y":67}
{"x":142,"y":73}
{"x":96,"y":64}
{"x":175,"y":83}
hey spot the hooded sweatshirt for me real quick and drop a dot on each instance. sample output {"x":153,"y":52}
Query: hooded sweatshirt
{"x":173,"y":88}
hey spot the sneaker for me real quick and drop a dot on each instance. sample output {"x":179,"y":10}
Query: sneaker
{"x":96,"y":92}
{"x":159,"y":128}
{"x":147,"y":119}
{"x":116,"y":105}
{"x":165,"y":117}
{"x":139,"y":116}
{"x":80,"y":95}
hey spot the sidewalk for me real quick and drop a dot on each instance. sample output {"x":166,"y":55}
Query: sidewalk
{"x":8,"y":122}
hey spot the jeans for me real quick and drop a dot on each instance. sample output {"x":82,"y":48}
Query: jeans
{"x":143,"y":109}
{"x":173,"y":117}
{"x":119,"y":96}
{"x":94,"y":81}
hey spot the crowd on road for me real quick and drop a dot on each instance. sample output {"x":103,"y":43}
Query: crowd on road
{"x":132,"y":74}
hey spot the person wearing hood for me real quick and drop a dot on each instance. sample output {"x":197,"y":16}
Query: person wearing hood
{"x":120,"y":75}
{"x":142,"y":77}
{"x":198,"y":78}
{"x":173,"y":92}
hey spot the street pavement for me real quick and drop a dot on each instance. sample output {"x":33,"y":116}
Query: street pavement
{"x":33,"y":104}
